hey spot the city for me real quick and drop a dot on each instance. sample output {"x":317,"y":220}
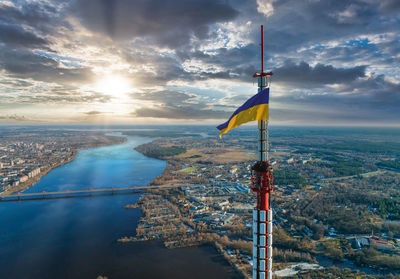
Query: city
{"x":218,"y":139}
{"x":26,"y":155}
{"x":335,"y":204}
{"x":335,"y":200}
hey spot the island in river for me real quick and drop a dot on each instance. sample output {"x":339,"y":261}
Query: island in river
{"x":76,"y":238}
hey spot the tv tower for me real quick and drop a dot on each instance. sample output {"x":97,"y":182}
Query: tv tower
{"x":262,"y":182}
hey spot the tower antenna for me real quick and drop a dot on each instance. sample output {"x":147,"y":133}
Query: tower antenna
{"x":262,"y":183}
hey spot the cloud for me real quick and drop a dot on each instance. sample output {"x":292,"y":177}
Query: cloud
{"x":15,"y":35}
{"x":42,"y":16}
{"x":179,"y":112}
{"x":170,"y":23}
{"x":376,"y":92}
{"x":371,"y":99}
{"x":195,"y":59}
{"x":165,"y":96}
{"x":176,"y":105}
{"x":26,"y":25}
{"x":16,"y":83}
{"x":26,"y":64}
{"x":390,"y":6}
{"x":54,"y":97}
{"x":304,"y":74}
{"x":14,"y":117}
{"x":265,"y":7}
{"x":95,"y":113}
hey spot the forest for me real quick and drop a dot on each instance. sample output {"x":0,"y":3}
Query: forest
{"x":289,"y":177}
{"x":391,"y":164}
{"x":154,"y":151}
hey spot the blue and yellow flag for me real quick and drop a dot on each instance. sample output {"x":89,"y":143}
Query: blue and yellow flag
{"x":255,"y":108}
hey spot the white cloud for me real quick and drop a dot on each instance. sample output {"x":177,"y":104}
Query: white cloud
{"x":265,"y":7}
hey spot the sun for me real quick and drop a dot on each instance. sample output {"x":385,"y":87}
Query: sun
{"x":113,"y":85}
{"x":118,"y":88}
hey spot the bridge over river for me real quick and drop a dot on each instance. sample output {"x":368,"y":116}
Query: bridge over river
{"x":82,"y":193}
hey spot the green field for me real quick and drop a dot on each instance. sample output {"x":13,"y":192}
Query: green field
{"x":187,"y":170}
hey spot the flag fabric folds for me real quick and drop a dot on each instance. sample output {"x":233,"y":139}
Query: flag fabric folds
{"x":255,"y":108}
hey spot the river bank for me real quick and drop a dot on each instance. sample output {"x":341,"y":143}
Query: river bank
{"x":184,"y":220}
{"x":166,"y":221}
{"x":76,"y":238}
{"x":106,"y":141}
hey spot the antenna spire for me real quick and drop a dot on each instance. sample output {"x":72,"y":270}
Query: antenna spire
{"x":262,"y":182}
{"x":262,"y":49}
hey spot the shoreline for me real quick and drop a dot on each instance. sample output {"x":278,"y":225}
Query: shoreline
{"x":30,"y":182}
{"x":173,"y":243}
{"x":195,"y":254}
{"x":173,"y":240}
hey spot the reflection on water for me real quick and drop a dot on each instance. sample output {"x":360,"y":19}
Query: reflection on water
{"x":76,"y":238}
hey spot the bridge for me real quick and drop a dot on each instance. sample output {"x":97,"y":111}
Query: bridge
{"x":82,"y":193}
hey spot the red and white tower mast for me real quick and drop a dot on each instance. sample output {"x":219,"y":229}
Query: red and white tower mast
{"x":262,"y":183}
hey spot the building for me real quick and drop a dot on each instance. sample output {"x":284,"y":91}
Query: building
{"x":23,"y":178}
{"x":34,"y":173}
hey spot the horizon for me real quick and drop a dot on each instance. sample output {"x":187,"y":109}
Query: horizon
{"x":159,"y":126}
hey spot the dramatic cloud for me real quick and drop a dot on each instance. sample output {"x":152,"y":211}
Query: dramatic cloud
{"x":15,"y":35}
{"x":176,"y":105}
{"x":149,"y":60}
{"x":26,"y":64}
{"x":168,"y":22}
{"x":320,"y":74}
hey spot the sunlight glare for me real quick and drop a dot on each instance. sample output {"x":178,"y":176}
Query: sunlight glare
{"x":113,"y":85}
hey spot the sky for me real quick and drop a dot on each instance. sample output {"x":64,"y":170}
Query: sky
{"x":138,"y":62}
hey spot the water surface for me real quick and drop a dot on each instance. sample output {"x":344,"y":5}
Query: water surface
{"x":76,"y":238}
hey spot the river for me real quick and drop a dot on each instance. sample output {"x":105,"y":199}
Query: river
{"x":77,"y":237}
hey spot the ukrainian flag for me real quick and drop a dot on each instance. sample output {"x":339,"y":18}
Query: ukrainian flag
{"x":255,"y":108}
